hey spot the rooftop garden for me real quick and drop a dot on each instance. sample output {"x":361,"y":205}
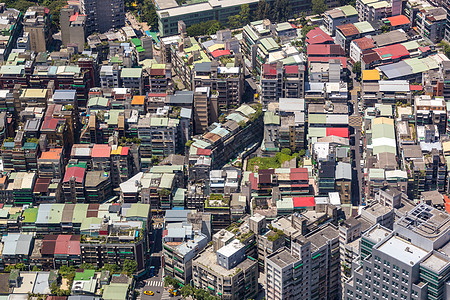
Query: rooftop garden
{"x":217,"y":200}
{"x":264,"y":163}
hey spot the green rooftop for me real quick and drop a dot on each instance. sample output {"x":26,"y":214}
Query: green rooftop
{"x":115,"y":291}
{"x":348,"y":10}
{"x":98,"y":101}
{"x":270,"y":118}
{"x":85,"y":275}
{"x":136,"y":42}
{"x":30,"y":214}
{"x":138,"y":210}
{"x":79,"y":212}
{"x":131,"y":73}
{"x":364,"y":27}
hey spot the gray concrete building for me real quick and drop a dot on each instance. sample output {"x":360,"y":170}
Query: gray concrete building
{"x":103,"y":15}
{"x":412,"y":261}
{"x":309,"y":270}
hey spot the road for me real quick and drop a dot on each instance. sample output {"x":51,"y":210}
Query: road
{"x":155,"y":283}
{"x":356,"y":149}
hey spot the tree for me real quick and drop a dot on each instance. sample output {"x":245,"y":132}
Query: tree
{"x":262,"y":11}
{"x":54,"y":7}
{"x":302,"y":19}
{"x":19,"y":266}
{"x":170,"y":281}
{"x":67,"y":272}
{"x":187,"y":291}
{"x":36,"y":268}
{"x":385,"y":28}
{"x":234,"y":21}
{"x":445,"y":48}
{"x":215,"y":26}
{"x":21,"y":5}
{"x":286,"y":151}
{"x":203,"y":28}
{"x":57,"y":291}
{"x":319,"y":6}
{"x":245,"y":14}
{"x":129,"y":267}
{"x":306,"y":29}
{"x":113,"y":268}
{"x":357,"y":69}
{"x":87,"y":266}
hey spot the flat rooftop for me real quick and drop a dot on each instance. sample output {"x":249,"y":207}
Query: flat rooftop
{"x":426,"y":221}
{"x":164,"y":4}
{"x":209,"y":260}
{"x":402,"y":250}
{"x":436,"y":262}
{"x":377,"y":209}
{"x":377,"y":233}
{"x":283,"y":258}
{"x":321,"y":237}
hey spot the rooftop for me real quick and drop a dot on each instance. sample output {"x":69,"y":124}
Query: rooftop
{"x":402,"y":250}
{"x":282,"y":258}
{"x":209,"y":260}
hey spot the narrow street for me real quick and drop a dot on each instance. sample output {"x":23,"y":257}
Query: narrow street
{"x":355,"y":121}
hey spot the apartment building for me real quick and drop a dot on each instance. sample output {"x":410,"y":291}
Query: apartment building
{"x":279,"y":81}
{"x":73,"y":184}
{"x":36,"y":22}
{"x":308,"y":270}
{"x":431,"y":22}
{"x":181,"y":244}
{"x":431,"y":111}
{"x":13,"y":21}
{"x":285,"y":127}
{"x":73,"y":27}
{"x":97,"y":186}
{"x":50,"y":164}
{"x":158,"y":135}
{"x":159,"y":78}
{"x":226,"y":273}
{"x":132,"y":78}
{"x":225,"y":82}
{"x":375,"y":10}
{"x":339,"y":16}
{"x":203,"y":106}
{"x":102,"y":15}
{"x":237,"y":135}
{"x":109,"y":76}
{"x":168,"y":16}
{"x":185,"y":53}
{"x":121,"y":167}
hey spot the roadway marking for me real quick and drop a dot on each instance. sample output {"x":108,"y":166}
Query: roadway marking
{"x":155,"y":283}
{"x":355,"y":121}
{"x":165,"y":295}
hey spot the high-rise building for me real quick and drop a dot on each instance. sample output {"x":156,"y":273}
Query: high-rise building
{"x":410,"y":262}
{"x":227,"y":273}
{"x":103,"y":15}
{"x":309,"y":270}
{"x":37,"y":23}
{"x":72,"y":26}
{"x":202,"y":99}
{"x":279,"y":81}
